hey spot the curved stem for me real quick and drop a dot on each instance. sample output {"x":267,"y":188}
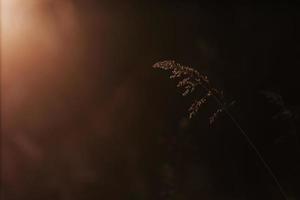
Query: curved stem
{"x":253,"y":146}
{"x":258,"y":154}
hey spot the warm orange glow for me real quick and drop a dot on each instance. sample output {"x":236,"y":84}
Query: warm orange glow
{"x":8,"y":17}
{"x":37,"y":47}
{"x":36,"y":35}
{"x":14,"y":20}
{"x":36,"y":22}
{"x":44,"y":78}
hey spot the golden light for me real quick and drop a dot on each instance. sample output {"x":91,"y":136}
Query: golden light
{"x":13,"y":20}
{"x":36,"y":44}
{"x":36,"y":22}
{"x":37,"y":47}
{"x":7,"y":20}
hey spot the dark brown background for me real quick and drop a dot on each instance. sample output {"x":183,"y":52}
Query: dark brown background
{"x":84,"y":116}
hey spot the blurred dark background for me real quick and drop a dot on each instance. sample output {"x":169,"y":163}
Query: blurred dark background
{"x":91,"y":119}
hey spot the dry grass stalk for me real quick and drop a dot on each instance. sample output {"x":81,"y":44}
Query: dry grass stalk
{"x":189,"y":80}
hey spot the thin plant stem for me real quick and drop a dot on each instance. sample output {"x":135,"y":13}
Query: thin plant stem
{"x":252,"y":145}
{"x":191,"y":79}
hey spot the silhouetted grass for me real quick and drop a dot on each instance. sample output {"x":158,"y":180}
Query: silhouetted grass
{"x":189,"y":79}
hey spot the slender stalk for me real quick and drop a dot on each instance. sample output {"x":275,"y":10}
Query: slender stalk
{"x":191,"y":78}
{"x":253,"y":146}
{"x":258,"y":154}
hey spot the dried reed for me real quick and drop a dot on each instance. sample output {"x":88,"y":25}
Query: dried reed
{"x":189,"y":80}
